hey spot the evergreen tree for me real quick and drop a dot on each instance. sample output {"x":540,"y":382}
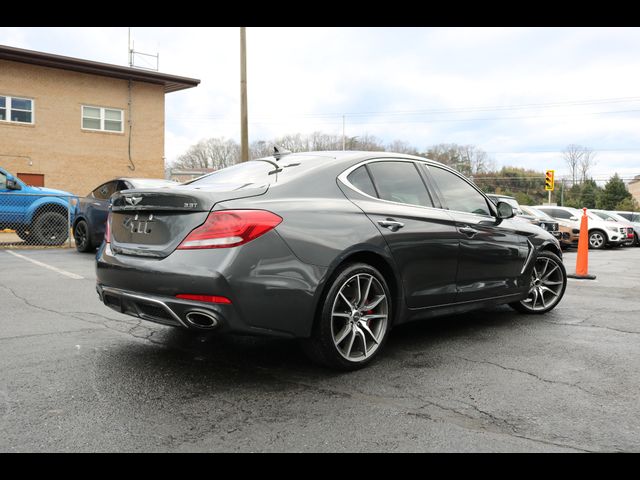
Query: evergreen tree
{"x":614,"y":192}
{"x":589,"y":194}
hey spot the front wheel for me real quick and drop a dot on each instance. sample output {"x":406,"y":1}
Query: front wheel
{"x":50,"y":228}
{"x":597,"y":239}
{"x":353,"y":320}
{"x":548,"y":283}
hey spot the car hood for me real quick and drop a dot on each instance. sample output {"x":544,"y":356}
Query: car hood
{"x":50,"y":191}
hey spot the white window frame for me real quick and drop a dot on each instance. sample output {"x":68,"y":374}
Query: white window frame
{"x":102,"y":119}
{"x":8,"y":107}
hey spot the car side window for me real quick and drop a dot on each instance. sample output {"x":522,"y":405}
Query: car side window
{"x":457,"y":194}
{"x":360,"y":179}
{"x":3,"y":181}
{"x":399,"y":182}
{"x":560,"y":213}
{"x":104,"y":191}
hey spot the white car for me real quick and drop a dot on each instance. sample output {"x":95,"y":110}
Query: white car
{"x":634,"y":219}
{"x":602,"y":233}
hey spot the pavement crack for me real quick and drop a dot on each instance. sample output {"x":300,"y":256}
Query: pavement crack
{"x":591,"y":325}
{"x":524,"y":372}
{"x":496,"y":422}
{"x":78,"y":316}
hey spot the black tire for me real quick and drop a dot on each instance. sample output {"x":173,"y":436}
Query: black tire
{"x":82,"y":237}
{"x":555,"y":272}
{"x":322,"y":348}
{"x":636,"y":239}
{"x":25,"y":234}
{"x":597,"y":239}
{"x":50,"y":228}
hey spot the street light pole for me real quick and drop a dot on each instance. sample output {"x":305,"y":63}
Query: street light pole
{"x":244,"y":116}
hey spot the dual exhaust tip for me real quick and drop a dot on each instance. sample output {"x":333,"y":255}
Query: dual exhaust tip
{"x":200,"y":319}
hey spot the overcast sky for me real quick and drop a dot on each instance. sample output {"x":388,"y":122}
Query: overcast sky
{"x":521,"y":94}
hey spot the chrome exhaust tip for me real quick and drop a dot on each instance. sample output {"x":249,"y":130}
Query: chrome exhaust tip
{"x":201,"y":319}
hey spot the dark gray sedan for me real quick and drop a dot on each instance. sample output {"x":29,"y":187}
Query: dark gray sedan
{"x":333,"y":248}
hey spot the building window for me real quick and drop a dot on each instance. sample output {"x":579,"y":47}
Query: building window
{"x":14,"y":109}
{"x":102,"y":119}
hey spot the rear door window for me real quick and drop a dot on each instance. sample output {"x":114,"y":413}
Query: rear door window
{"x":400,"y":182}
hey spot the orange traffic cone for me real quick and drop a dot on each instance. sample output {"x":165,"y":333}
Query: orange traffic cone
{"x":582,"y":260}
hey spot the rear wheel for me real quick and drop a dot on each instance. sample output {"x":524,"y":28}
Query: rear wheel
{"x":82,"y":237}
{"x":50,"y":228}
{"x":597,"y":239}
{"x":353,"y":320}
{"x":548,"y":283}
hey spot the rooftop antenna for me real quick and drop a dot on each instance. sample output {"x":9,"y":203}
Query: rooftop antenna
{"x":279,"y":152}
{"x":146,"y":58}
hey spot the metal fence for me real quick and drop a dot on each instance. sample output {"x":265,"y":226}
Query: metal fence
{"x":36,"y":220}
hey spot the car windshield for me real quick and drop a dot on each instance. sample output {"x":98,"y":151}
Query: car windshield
{"x":237,"y":177}
{"x":605,"y":216}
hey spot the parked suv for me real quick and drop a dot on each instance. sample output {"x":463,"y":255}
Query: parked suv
{"x":601,"y":232}
{"x":612,"y":217}
{"x":38,"y":215}
{"x":634,"y":218}
{"x":569,"y":235}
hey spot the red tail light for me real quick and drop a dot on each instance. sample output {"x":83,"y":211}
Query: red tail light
{"x":230,"y":228}
{"x":107,"y":230}
{"x":204,"y":298}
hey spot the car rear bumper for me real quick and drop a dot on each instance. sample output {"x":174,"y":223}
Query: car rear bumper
{"x":172,"y":311}
{"x":271,"y":291}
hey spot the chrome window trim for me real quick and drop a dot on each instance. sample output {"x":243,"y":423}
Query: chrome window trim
{"x":344,"y":180}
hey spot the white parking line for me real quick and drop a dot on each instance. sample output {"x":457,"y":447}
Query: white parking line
{"x":58,"y":270}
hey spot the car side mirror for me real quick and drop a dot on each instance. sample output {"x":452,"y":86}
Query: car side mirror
{"x":574,"y":219}
{"x":13,"y":185}
{"x":505,"y":210}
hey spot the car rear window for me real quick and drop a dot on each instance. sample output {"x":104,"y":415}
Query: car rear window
{"x":237,"y":177}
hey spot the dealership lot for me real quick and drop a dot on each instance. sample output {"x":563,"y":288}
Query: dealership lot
{"x":77,"y":376}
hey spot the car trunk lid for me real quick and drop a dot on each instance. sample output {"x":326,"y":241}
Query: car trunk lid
{"x":153,"y":222}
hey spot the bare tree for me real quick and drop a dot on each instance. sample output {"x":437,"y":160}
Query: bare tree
{"x":260,"y":149}
{"x":586,"y":162}
{"x":400,"y":146}
{"x":467,"y":159}
{"x":572,"y":156}
{"x":216,"y":152}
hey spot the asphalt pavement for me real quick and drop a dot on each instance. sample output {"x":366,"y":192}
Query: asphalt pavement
{"x":77,"y":376}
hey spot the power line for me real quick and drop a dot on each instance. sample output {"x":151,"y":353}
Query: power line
{"x":522,"y":106}
{"x":435,"y":120}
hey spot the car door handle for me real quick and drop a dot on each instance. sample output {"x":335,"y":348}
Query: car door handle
{"x":468,"y":231}
{"x":97,"y":204}
{"x":391,"y":224}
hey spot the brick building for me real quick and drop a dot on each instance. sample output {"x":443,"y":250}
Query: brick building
{"x":73,"y":124}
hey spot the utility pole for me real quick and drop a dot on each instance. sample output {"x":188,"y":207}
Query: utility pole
{"x":343,"y":138}
{"x":244,"y":116}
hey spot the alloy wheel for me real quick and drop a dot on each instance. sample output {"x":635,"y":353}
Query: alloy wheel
{"x":596,"y":240}
{"x":80,"y":234}
{"x":547,"y":282}
{"x":359,"y":317}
